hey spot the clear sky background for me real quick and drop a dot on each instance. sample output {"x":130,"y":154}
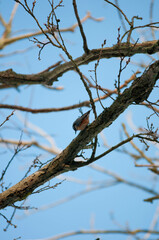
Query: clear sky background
{"x":92,"y":210}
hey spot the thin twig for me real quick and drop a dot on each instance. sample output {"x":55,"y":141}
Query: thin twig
{"x":9,"y":221}
{"x":119,"y":9}
{"x":152,"y":25}
{"x":17,"y":150}
{"x":136,"y":147}
{"x":120,"y":16}
{"x":85,"y":46}
{"x":120,"y":179}
{"x":151,"y":17}
{"x":7,"y":118}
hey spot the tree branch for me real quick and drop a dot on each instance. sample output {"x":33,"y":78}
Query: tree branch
{"x":45,"y":110}
{"x":85,"y":46}
{"x":7,"y":41}
{"x":86,"y":103}
{"x":137,"y":92}
{"x":91,"y":232}
{"x":11,"y":78}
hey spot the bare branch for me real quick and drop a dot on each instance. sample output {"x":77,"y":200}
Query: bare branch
{"x":129,"y":139}
{"x":13,"y":79}
{"x":17,"y":150}
{"x":85,"y":46}
{"x":151,"y":17}
{"x":136,"y":147}
{"x":151,"y":199}
{"x":45,"y":110}
{"x":7,"y":118}
{"x":119,"y":9}
{"x":137,"y":92}
{"x":124,"y":232}
{"x":120,"y":179}
{"x":31,"y":143}
{"x":6,"y":41}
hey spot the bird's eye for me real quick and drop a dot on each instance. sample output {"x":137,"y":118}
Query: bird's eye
{"x":74,"y":127}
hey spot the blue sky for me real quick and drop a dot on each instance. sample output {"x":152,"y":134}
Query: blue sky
{"x":94,"y":209}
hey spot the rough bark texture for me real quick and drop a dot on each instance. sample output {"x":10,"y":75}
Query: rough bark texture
{"x":137,"y":92}
{"x":11,"y":78}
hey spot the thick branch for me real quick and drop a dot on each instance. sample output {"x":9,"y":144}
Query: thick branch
{"x":137,"y":92}
{"x":11,"y":78}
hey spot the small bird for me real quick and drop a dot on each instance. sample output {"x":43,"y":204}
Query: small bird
{"x":81,"y":122}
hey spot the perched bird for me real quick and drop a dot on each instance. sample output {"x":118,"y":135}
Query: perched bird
{"x":81,"y":122}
